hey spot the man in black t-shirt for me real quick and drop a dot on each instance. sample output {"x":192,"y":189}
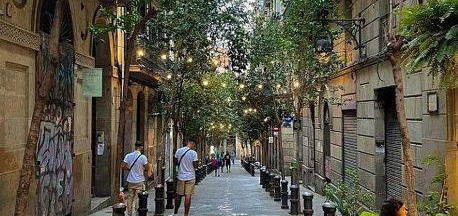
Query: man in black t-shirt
{"x":227,"y":161}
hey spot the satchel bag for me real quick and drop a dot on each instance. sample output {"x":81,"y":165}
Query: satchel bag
{"x":126,"y":184}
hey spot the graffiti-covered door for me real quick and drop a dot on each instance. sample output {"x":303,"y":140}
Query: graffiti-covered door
{"x":55,"y":145}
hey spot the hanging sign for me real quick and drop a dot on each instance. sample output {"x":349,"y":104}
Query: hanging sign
{"x":92,"y":82}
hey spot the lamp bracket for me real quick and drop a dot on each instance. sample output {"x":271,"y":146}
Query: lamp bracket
{"x":352,"y":27}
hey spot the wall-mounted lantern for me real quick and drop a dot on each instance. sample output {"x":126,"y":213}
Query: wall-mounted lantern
{"x":351,"y":26}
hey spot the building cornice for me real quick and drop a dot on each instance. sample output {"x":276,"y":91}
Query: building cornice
{"x":380,"y":57}
{"x":84,"y":60}
{"x":19,"y":36}
{"x":31,"y":40}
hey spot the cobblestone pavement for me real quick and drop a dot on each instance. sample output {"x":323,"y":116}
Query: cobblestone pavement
{"x":231,"y":194}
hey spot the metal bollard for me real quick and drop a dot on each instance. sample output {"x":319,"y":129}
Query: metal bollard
{"x":159,"y":200}
{"x":266,"y":180}
{"x":329,"y":209}
{"x":277,"y":192}
{"x":261,"y":176}
{"x":272,"y":184}
{"x":284,"y":194}
{"x":170,"y":194}
{"x":308,"y":203}
{"x":204,"y":171}
{"x":294,"y":210}
{"x":197,"y":171}
{"x":119,"y":209}
{"x":142,"y":204}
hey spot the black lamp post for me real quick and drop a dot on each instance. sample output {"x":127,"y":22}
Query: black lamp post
{"x":351,"y":26}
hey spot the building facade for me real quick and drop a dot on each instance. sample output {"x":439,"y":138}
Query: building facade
{"x":78,"y":134}
{"x":355,"y":126}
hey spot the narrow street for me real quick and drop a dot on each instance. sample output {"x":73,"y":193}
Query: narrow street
{"x":235,"y":193}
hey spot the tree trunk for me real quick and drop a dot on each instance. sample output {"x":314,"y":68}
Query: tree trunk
{"x":122,"y":116}
{"x":129,"y":53}
{"x":394,"y":58}
{"x":28,"y":161}
{"x":282,"y":159}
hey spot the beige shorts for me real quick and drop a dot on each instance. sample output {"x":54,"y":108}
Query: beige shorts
{"x":185,"y":187}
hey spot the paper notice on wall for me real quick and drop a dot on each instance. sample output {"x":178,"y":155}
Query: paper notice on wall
{"x":92,"y":82}
{"x":100,"y":148}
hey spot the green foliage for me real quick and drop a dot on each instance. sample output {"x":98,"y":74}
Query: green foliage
{"x":433,"y":203}
{"x":185,"y":45}
{"x":212,"y":108}
{"x":267,"y":82}
{"x":180,"y":44}
{"x":284,"y":60}
{"x":366,"y":213}
{"x":303,"y":28}
{"x":432,"y":32}
{"x":349,"y":196}
{"x":124,"y":22}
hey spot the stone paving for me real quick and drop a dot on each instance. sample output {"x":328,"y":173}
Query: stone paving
{"x":231,"y":194}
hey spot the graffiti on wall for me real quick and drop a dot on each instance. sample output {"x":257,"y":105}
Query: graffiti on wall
{"x":55,"y":145}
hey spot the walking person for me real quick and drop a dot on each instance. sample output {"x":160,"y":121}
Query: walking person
{"x":227,"y":160}
{"x":137,"y":164}
{"x":393,"y":207}
{"x":221,"y":162}
{"x":187,"y":161}
{"x":214,"y":164}
{"x":233,"y":157}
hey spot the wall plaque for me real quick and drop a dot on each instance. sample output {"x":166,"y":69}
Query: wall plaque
{"x":92,"y":82}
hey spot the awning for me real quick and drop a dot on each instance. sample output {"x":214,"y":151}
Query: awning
{"x":146,"y":78}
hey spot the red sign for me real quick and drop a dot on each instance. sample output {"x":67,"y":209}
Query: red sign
{"x":275,"y":129}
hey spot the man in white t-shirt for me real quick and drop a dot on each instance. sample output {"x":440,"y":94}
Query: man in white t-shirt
{"x":186,"y":160}
{"x":136,"y":163}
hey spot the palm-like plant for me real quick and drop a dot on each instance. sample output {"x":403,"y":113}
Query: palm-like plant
{"x":432,"y":32}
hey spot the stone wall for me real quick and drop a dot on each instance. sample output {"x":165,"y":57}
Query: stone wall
{"x":19,"y":44}
{"x":368,"y":80}
{"x":17,"y":84}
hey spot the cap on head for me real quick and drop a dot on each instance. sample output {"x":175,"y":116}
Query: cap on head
{"x":138,"y":144}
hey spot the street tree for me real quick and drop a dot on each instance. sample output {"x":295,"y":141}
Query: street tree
{"x":189,"y":40}
{"x":429,"y":35}
{"x":211,"y":107}
{"x":265,"y":88}
{"x":314,"y":62}
{"x":47,"y":70}
{"x":132,"y":23}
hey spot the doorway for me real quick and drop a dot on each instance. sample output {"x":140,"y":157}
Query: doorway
{"x":54,"y":156}
{"x":350,"y":148}
{"x":392,"y":145}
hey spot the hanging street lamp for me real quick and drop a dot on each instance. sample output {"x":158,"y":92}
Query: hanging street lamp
{"x":351,"y":26}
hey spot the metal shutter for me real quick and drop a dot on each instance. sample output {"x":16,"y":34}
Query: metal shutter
{"x":393,"y":159}
{"x":350,"y":149}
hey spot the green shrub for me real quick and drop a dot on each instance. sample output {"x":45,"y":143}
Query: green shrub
{"x":366,"y":213}
{"x":433,"y":204}
{"x":350,"y":197}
